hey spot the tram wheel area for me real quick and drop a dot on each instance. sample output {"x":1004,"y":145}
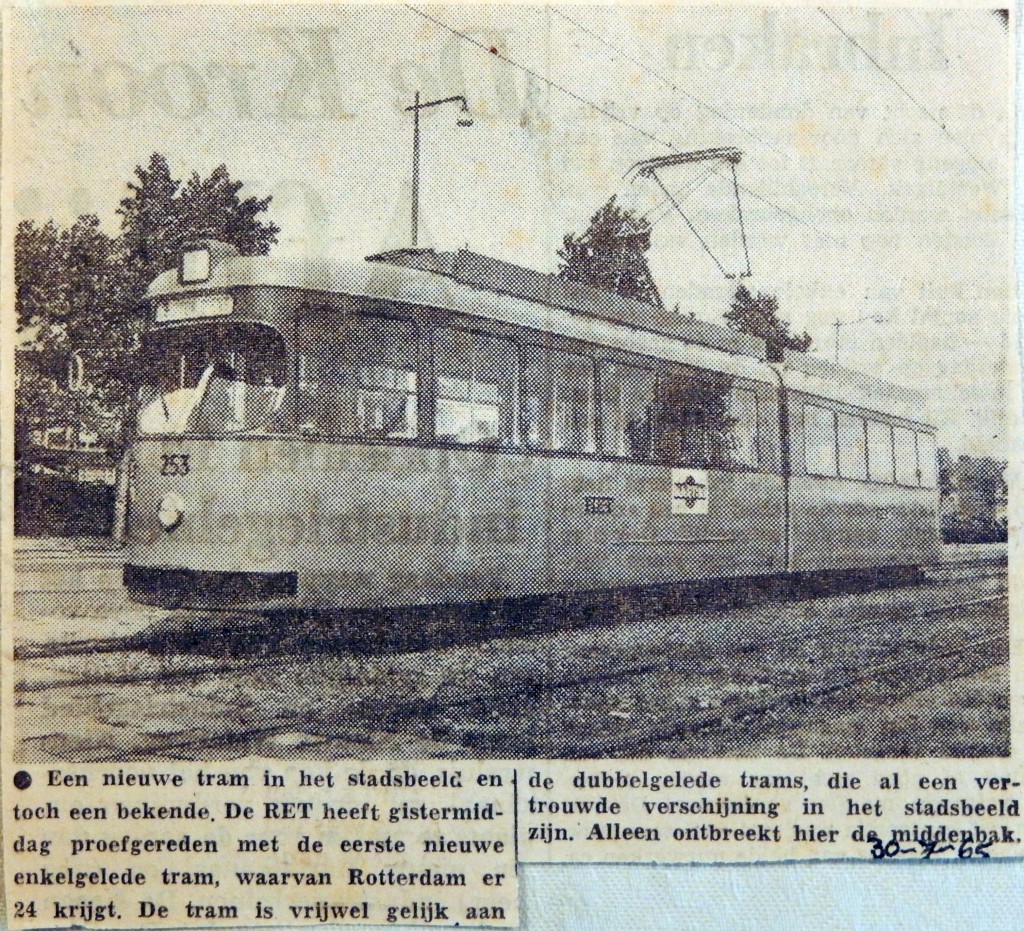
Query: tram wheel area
{"x":421,"y":628}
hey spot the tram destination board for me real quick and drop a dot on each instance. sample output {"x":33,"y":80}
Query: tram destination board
{"x":445,"y":440}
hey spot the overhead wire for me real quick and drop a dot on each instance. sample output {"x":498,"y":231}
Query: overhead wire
{"x":784,"y":211}
{"x":680,"y":193}
{"x":491,"y":50}
{"x":927,"y":28}
{"x":906,"y":93}
{"x":647,"y":69}
{"x":661,"y":77}
{"x":724,"y":116}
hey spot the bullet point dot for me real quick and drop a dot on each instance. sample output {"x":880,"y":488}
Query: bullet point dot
{"x":22,"y":780}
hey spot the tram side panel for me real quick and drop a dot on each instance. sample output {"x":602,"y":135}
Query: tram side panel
{"x":844,"y":515}
{"x":622,"y":523}
{"x":366,"y":525}
{"x":358,"y":525}
{"x":837,"y":524}
{"x":613,"y":524}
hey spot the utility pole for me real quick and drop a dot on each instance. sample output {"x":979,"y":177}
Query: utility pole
{"x":874,"y":318}
{"x":464,"y":120}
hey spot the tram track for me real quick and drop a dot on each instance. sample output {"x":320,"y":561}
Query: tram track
{"x":897,"y":680}
{"x":157,"y":645}
{"x":985,"y":651}
{"x":941,"y":573}
{"x":165,"y":675}
{"x":395,"y":717}
{"x":355,"y":723}
{"x":583,"y":668}
{"x":476,"y":719}
{"x":438,"y":695}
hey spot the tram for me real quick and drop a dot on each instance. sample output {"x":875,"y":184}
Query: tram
{"x":428,"y":427}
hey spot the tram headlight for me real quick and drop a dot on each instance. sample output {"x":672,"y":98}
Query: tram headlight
{"x":172,"y":510}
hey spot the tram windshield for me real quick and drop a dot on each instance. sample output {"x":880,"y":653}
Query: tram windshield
{"x":214,"y":379}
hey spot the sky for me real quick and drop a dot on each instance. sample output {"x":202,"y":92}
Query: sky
{"x":874,"y":178}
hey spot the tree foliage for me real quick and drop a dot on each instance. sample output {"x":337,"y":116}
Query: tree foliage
{"x":972,"y":498}
{"x":162,"y":215}
{"x":78,"y":291}
{"x":611,"y":254}
{"x":759,"y":316}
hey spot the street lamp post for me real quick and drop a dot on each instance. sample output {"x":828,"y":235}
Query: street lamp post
{"x":464,"y":120}
{"x":874,"y":318}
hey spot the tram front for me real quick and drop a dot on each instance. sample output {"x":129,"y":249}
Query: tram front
{"x":213,"y":417}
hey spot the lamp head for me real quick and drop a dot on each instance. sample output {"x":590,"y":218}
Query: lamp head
{"x":465,"y":118}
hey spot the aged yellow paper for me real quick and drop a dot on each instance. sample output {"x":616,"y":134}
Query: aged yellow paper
{"x":441,"y":438}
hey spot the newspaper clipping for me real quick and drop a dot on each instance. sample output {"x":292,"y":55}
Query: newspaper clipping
{"x":443,"y":438}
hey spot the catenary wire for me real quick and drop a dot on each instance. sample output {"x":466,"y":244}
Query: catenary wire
{"x":667,"y":81}
{"x":784,"y":211}
{"x":647,"y":69}
{"x":598,"y":109}
{"x":906,"y":93}
{"x":540,"y":77}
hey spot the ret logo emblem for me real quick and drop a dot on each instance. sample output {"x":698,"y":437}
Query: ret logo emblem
{"x":689,"y":491}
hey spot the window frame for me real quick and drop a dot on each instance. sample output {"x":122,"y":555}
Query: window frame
{"x":361,"y":311}
{"x":896,"y":461}
{"x":879,"y":437}
{"x":813,"y":405}
{"x":543,"y":357}
{"x":509,"y":420}
{"x":890,"y":475}
{"x":755,"y":445}
{"x":864,"y":448}
{"x":670,"y":431}
{"x":525,"y":341}
{"x":154,"y":341}
{"x":606,"y":365}
{"x":934,"y":469}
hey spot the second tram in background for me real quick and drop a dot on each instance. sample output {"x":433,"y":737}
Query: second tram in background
{"x":430,"y":427}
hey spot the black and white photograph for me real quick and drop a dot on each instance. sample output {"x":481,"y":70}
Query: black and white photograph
{"x":519,"y":383}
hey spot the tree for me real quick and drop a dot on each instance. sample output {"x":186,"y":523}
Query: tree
{"x":946,"y":473}
{"x":759,"y":316}
{"x":79,"y":291}
{"x":70,"y":291}
{"x":611,"y":254}
{"x":972,"y":498}
{"x":161,"y":216}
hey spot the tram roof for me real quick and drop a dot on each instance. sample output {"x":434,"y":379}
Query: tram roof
{"x":818,"y":377}
{"x":402,"y":284}
{"x":484,"y":273}
{"x":466,"y":282}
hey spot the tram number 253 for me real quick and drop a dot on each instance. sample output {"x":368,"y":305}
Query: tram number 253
{"x":175,"y":464}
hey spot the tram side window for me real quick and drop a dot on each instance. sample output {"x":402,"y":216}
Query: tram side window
{"x":696,"y":419}
{"x":853,"y":454}
{"x":357,"y":377}
{"x":926,"y":459}
{"x":627,"y":410}
{"x":534,"y":400}
{"x":741,"y":448}
{"x":557,"y":401}
{"x":572,"y":402}
{"x":819,"y":440}
{"x":879,"y":452}
{"x":476,"y":383}
{"x":905,"y":444}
